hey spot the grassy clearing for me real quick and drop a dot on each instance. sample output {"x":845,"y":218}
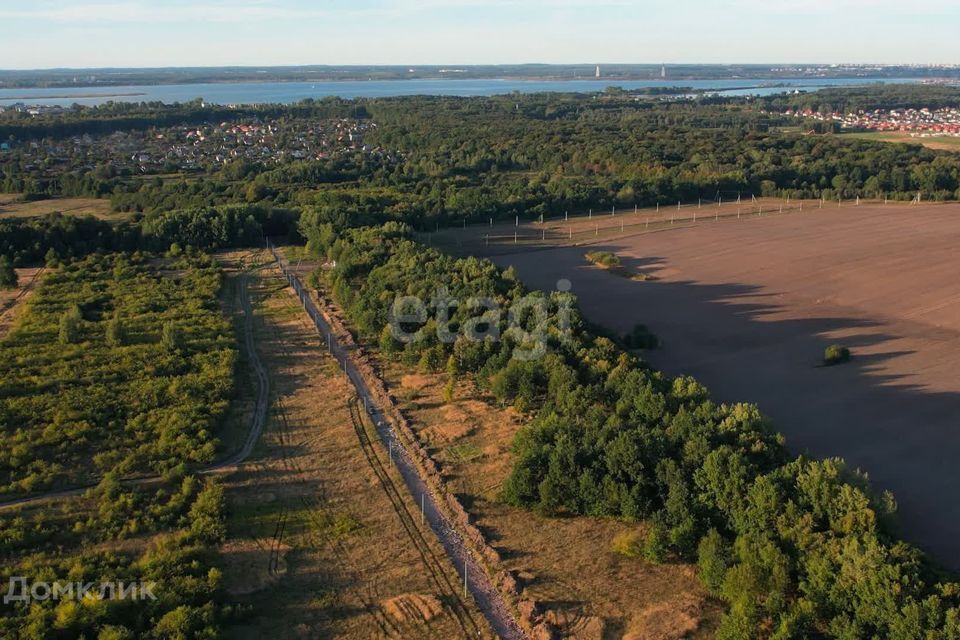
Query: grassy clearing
{"x":315,"y":548}
{"x":470,"y":439}
{"x":11,"y":207}
{"x":943,"y":143}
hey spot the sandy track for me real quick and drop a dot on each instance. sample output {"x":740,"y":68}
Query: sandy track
{"x":747,"y":307}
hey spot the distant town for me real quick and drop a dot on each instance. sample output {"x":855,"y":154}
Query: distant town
{"x":917,"y":122}
{"x":195,"y":147}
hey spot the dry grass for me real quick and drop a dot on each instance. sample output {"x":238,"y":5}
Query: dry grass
{"x":11,"y":207}
{"x":568,"y":565}
{"x":315,"y":546}
{"x":942,"y":143}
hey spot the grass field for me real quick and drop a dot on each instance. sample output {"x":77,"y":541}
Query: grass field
{"x":10,"y":207}
{"x":943,"y":143}
{"x":317,"y":547}
{"x":749,"y":307}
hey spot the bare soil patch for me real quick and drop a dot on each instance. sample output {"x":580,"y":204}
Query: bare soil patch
{"x":11,"y":300}
{"x":748,"y":308}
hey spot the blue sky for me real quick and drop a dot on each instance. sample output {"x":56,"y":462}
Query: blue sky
{"x":80,"y":33}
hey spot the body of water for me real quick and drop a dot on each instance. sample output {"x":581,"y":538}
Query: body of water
{"x":287,"y":92}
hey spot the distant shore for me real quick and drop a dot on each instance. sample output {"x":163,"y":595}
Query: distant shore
{"x":75,"y":95}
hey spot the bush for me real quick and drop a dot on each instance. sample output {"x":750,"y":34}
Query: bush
{"x":655,"y":544}
{"x":835,"y":354}
{"x":70,"y":323}
{"x":629,"y":544}
{"x":606,"y":259}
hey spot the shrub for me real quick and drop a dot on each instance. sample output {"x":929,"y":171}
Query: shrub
{"x":641,"y":338}
{"x":655,"y":544}
{"x":629,"y":544}
{"x":116,"y":332}
{"x":172,"y":337}
{"x":835,"y":354}
{"x":606,"y":259}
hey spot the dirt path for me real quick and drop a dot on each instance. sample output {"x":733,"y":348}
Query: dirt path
{"x":476,"y":581}
{"x":11,"y":303}
{"x":224,"y":466}
{"x":263,"y":387}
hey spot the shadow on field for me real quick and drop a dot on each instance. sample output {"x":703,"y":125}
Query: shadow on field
{"x":745,"y":344}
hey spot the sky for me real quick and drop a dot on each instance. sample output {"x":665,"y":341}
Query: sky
{"x":108,"y":33}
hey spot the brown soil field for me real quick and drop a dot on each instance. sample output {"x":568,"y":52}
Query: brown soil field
{"x":566,"y":565}
{"x":11,"y":208}
{"x":748,"y":307}
{"x":508,"y":237}
{"x":317,"y":547}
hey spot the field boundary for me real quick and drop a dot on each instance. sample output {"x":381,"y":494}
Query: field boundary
{"x":592,"y":228}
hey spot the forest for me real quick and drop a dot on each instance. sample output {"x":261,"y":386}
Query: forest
{"x":796,"y":547}
{"x":441,"y":160}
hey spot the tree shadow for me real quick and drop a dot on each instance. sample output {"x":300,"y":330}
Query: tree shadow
{"x":746,"y":343}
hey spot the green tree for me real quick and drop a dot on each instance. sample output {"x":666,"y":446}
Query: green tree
{"x":51,"y":259}
{"x":116,"y":331}
{"x":172,"y":337}
{"x":70,"y":325}
{"x":8,"y":275}
{"x":713,"y":559}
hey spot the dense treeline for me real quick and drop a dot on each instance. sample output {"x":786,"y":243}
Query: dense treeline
{"x":57,"y":236}
{"x":445,"y":159}
{"x":798,"y":548}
